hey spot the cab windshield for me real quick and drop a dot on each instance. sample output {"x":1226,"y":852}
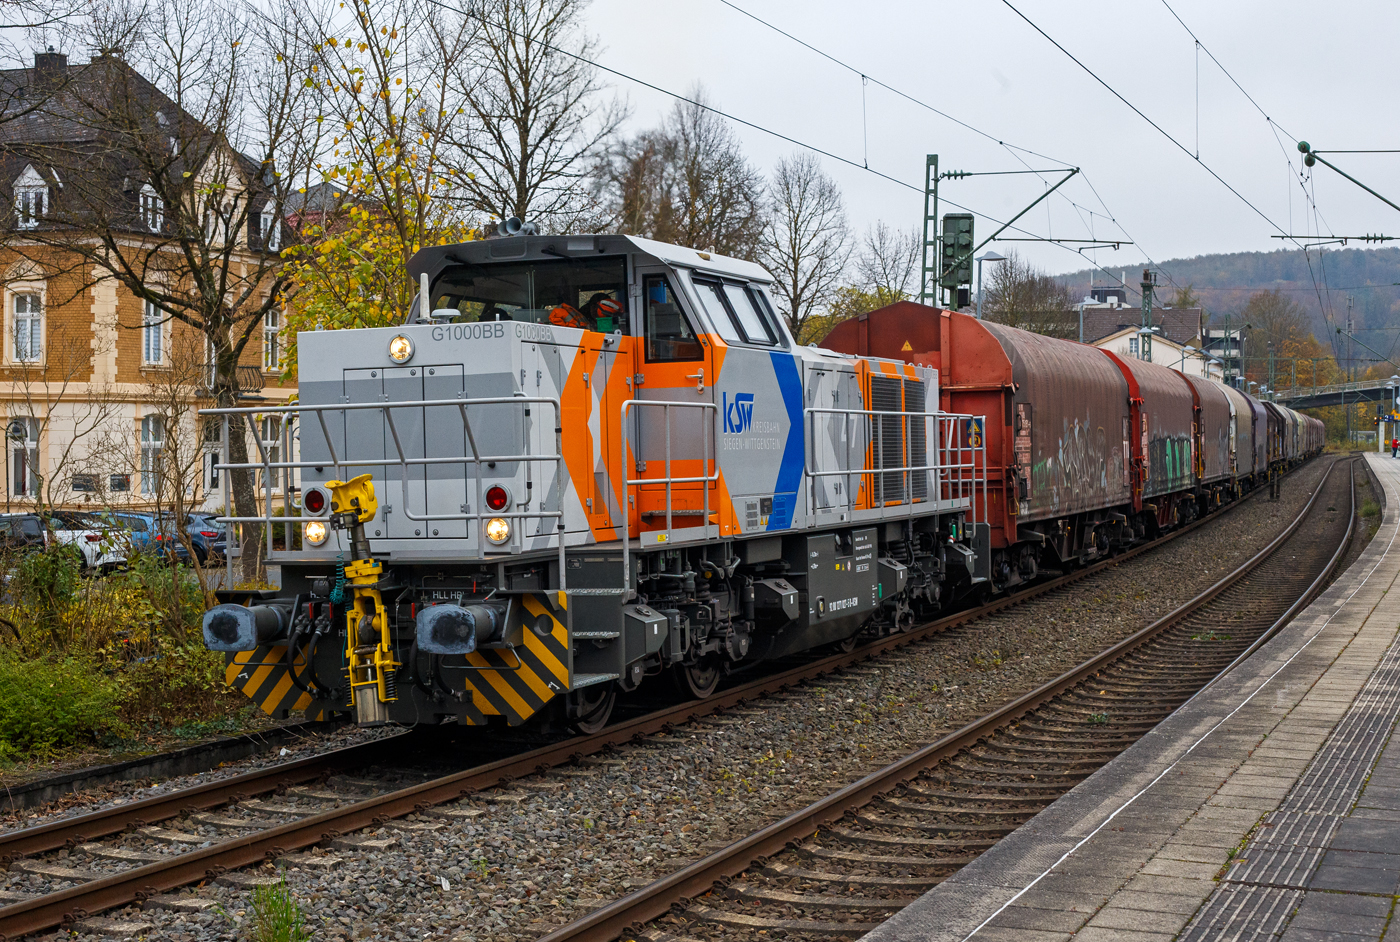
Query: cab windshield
{"x":589,"y":293}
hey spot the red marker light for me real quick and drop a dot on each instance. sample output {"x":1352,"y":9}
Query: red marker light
{"x":497,"y":497}
{"x":314,"y":500}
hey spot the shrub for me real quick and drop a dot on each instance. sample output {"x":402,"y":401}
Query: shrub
{"x":47,"y":704}
{"x":186,"y":680}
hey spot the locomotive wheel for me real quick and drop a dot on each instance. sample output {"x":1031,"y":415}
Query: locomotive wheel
{"x":698,"y":680}
{"x":849,"y":644}
{"x":588,"y":710}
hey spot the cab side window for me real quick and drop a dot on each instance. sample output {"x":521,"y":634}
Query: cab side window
{"x":669,"y":335}
{"x":733,"y":312}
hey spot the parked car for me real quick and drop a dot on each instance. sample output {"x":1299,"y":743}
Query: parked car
{"x":99,"y":548}
{"x":149,"y":533}
{"x":22,"y":533}
{"x":207,"y":535}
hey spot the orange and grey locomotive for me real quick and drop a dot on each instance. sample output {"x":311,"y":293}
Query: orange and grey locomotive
{"x":582,"y":462}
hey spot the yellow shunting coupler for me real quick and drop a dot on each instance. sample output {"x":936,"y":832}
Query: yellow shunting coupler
{"x":369,"y":649}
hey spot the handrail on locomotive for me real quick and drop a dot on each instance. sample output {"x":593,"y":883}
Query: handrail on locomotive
{"x":293,"y":412}
{"x":959,"y":467}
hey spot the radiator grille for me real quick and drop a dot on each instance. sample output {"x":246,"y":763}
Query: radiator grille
{"x":886,"y":394}
{"x":918,"y":437}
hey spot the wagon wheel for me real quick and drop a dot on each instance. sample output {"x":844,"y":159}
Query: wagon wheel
{"x":589,"y":709}
{"x":698,"y":680}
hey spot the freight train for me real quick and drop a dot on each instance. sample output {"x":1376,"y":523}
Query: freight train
{"x":586,"y":461}
{"x":1088,"y":452}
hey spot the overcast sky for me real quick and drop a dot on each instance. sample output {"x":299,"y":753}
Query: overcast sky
{"x":1324,"y":71}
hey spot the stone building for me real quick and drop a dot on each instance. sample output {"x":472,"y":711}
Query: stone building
{"x":102,"y":371}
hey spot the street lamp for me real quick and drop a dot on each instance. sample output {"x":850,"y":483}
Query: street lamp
{"x":989,"y":256}
{"x":1185,"y":351}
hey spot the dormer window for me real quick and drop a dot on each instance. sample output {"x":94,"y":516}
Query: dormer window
{"x":31,"y":198}
{"x":152,"y":209}
{"x":272,"y":232}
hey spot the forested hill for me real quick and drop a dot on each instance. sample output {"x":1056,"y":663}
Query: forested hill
{"x":1224,"y":282}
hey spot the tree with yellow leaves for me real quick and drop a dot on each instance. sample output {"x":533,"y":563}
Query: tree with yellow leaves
{"x":381,"y":76}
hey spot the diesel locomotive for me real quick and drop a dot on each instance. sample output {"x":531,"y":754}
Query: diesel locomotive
{"x":585,"y":461}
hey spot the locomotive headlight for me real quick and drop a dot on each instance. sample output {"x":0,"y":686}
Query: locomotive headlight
{"x":315,"y":533}
{"x":400,"y":349}
{"x":498,"y":530}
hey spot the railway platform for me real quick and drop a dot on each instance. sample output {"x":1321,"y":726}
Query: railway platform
{"x":1267,"y":807}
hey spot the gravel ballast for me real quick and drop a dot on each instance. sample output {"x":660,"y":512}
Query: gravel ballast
{"x":547,"y":849}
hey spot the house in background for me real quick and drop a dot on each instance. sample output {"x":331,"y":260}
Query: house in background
{"x":98,"y":387}
{"x":1188,"y":358}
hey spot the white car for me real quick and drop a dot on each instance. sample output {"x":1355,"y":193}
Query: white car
{"x":103,"y":547}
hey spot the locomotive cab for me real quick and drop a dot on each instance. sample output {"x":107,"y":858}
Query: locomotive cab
{"x":580,"y":462}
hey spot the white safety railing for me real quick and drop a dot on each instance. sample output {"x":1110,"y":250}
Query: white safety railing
{"x":952,"y":470}
{"x":343,"y":461}
{"x":705,"y":478}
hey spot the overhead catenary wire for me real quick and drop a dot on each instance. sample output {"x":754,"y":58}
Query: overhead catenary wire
{"x":765,"y":130}
{"x":1141,"y":114}
{"x":1015,"y":150}
{"x":1274,"y":128}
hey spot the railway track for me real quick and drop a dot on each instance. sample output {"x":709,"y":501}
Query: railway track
{"x":840,"y":866}
{"x":120,"y":855}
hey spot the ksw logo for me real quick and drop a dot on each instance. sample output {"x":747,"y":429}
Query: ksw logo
{"x":738,"y":415}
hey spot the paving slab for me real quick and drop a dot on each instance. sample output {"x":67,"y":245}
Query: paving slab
{"x":1266,"y":808}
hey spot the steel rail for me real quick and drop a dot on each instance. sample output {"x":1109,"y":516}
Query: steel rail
{"x":1307,"y":597}
{"x":607,"y":923}
{"x":66,"y":832}
{"x":65,"y":906}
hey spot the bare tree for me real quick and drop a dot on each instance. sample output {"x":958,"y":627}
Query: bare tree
{"x":1274,"y":317}
{"x":163,"y":162}
{"x":388,"y":106}
{"x":173,"y":471}
{"x":537,"y":116}
{"x":687,"y":182}
{"x":1021,"y":295}
{"x":806,"y":239}
{"x":887,"y":261}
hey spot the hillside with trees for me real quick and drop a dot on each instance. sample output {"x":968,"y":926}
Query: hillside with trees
{"x":1319,"y":281}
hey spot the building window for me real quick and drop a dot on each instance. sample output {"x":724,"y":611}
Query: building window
{"x":23,"y":434}
{"x":29,"y":327}
{"x":31,"y":198}
{"x":271,"y":428}
{"x":213,"y":453}
{"x":152,"y":334}
{"x":152,"y":209}
{"x":272,"y":353}
{"x":271,"y":231}
{"x":152,"y":449}
{"x":1133,"y":346}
